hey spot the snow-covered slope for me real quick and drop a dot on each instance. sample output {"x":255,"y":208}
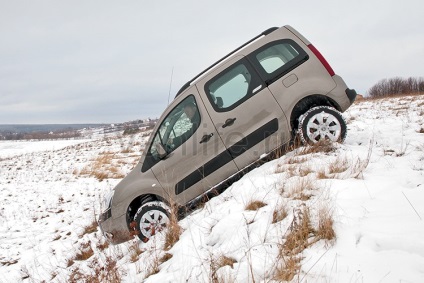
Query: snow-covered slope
{"x":371,"y":189}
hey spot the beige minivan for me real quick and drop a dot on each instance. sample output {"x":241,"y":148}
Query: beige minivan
{"x":239,"y":110}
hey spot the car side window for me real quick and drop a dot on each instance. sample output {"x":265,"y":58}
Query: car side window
{"x":177,"y":127}
{"x":275,"y":56}
{"x":232,"y":86}
{"x":278,"y":58}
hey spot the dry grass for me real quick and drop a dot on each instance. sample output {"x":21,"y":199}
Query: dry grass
{"x":299,"y":233}
{"x":106,"y":271}
{"x":300,"y":190}
{"x":335,"y":167}
{"x":279,"y":214}
{"x":288,"y":269}
{"x":300,"y":236}
{"x":91,"y":228}
{"x":135,"y":252}
{"x":152,"y":267}
{"x":325,"y":229}
{"x":103,"y":167}
{"x":173,"y":229}
{"x":85,"y":253}
{"x":254,"y":205}
{"x":165,"y":258}
{"x":102,"y":245}
{"x":338,"y":166}
{"x":323,"y":146}
{"x":216,"y":264}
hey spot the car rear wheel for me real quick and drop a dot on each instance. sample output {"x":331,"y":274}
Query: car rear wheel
{"x":322,"y":123}
{"x":151,"y":218}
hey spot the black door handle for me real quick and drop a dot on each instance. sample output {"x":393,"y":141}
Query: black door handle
{"x":206,"y":138}
{"x":229,"y":122}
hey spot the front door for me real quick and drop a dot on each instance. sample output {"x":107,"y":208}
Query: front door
{"x":186,"y":155}
{"x":246,"y":115}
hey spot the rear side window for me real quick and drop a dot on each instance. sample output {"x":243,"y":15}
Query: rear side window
{"x":277,"y":58}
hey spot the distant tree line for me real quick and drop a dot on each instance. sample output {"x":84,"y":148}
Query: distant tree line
{"x":40,"y":135}
{"x":397,"y":86}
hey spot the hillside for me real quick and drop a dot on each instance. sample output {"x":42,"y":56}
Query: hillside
{"x":347,"y":212}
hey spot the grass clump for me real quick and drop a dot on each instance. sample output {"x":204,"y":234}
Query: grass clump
{"x":254,"y":205}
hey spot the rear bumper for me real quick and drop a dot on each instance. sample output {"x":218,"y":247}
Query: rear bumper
{"x":341,"y":94}
{"x":351,"y":94}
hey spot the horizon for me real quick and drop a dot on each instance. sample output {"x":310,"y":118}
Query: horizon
{"x":70,"y":63}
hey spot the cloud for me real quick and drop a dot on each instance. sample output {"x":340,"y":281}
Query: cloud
{"x":60,"y":59}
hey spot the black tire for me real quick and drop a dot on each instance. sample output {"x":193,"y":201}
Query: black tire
{"x":151,"y":218}
{"x":322,"y":123}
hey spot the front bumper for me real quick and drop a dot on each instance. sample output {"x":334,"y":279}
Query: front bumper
{"x":114,"y":229}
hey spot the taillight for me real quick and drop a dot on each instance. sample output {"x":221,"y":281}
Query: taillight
{"x":322,"y":59}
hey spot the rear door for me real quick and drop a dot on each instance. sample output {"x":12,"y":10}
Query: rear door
{"x":196,"y":157}
{"x":246,"y":115}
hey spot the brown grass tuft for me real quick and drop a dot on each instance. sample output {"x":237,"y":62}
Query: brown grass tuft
{"x":100,"y":272}
{"x":165,"y":258}
{"x":254,"y":205}
{"x":135,"y":252}
{"x":216,"y":264}
{"x":279,"y":214}
{"x":85,"y":253}
{"x":173,"y":231}
{"x":300,"y":189}
{"x":288,"y":270}
{"x":323,"y":146}
{"x":91,"y":228}
{"x":299,"y":233}
{"x":325,"y":229}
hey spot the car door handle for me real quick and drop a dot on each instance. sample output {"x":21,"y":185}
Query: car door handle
{"x":229,"y":122}
{"x":206,"y":138}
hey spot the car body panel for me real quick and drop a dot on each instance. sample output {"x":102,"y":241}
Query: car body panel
{"x":260,"y":125}
{"x":246,"y":104}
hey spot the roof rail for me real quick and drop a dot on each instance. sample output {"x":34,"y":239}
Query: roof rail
{"x":187,"y":84}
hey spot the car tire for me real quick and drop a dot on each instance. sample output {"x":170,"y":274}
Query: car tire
{"x":322,"y":123}
{"x":151,"y":218}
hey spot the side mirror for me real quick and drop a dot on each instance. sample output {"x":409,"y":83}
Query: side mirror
{"x":161,"y":151}
{"x":219,"y":102}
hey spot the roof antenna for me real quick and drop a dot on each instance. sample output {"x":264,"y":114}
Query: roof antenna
{"x":170,"y":84}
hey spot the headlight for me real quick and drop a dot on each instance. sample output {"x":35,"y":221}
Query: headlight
{"x":107,"y":200}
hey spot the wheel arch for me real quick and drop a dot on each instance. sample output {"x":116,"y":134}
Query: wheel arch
{"x":137,"y":202}
{"x":307,"y":103}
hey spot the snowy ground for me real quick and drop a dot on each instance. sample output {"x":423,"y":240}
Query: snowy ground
{"x":372,"y":186}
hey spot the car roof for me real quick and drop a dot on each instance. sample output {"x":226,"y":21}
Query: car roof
{"x":187,"y":84}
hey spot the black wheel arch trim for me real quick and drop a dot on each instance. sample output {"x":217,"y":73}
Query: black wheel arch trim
{"x":307,"y":103}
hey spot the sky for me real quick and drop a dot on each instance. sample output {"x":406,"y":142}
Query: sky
{"x":87,"y":61}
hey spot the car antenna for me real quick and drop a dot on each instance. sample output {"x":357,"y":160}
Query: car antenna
{"x":170,"y":84}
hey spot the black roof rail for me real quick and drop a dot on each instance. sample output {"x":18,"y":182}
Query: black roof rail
{"x":187,"y":84}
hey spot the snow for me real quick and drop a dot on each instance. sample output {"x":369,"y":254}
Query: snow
{"x":13,"y":148}
{"x":376,"y":201}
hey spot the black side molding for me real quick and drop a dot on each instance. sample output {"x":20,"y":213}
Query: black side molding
{"x":227,"y":156}
{"x":351,"y":94}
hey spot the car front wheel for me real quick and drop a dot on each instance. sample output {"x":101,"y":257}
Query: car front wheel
{"x":322,"y":123}
{"x":151,"y":218}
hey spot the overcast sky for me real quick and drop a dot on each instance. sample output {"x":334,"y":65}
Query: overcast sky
{"x":109,"y":61}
